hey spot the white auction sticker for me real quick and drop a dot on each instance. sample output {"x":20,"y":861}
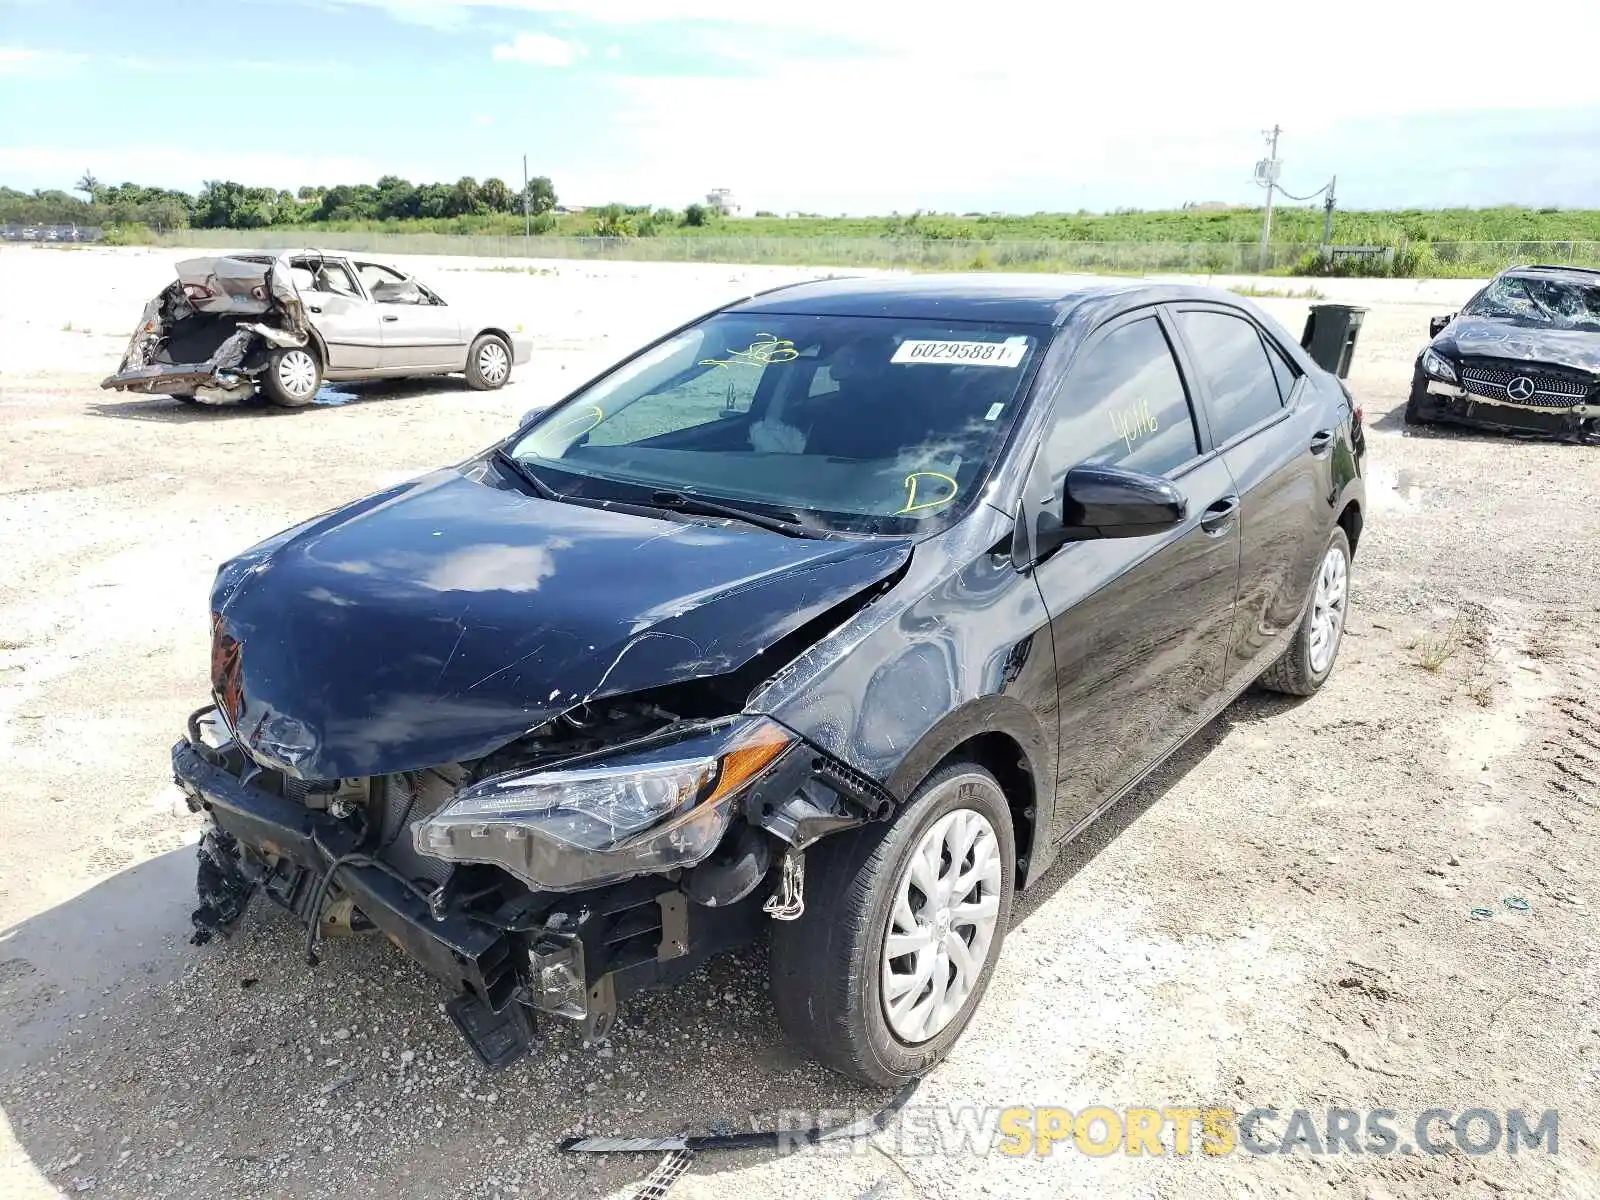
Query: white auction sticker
{"x":1008,"y":353}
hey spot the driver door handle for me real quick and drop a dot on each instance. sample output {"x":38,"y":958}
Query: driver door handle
{"x":1218,"y":518}
{"x":390,"y":317}
{"x":1321,"y":440}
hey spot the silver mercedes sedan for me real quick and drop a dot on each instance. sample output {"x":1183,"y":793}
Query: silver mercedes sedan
{"x":282,"y":324}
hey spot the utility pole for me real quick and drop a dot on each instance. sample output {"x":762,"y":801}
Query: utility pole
{"x":527,"y":223}
{"x":1270,"y":181}
{"x":1327,"y":219}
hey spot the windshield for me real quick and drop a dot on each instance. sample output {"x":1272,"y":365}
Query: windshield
{"x":1553,"y":303}
{"x":872,"y":424}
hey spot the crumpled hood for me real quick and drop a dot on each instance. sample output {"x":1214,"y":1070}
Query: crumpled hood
{"x":441,"y":619}
{"x":1477,"y":338}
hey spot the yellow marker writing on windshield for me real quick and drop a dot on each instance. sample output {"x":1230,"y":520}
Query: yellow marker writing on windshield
{"x":770,"y":348}
{"x":593,"y":415}
{"x":913,"y":505}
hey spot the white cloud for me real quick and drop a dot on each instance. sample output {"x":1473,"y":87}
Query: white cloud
{"x":27,"y":60}
{"x":538,"y":49}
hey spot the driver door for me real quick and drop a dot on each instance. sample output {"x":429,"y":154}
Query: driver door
{"x":1140,"y":625}
{"x":419,"y":331}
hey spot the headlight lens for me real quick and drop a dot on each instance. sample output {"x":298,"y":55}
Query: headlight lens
{"x":564,"y":829}
{"x":1438,"y":366}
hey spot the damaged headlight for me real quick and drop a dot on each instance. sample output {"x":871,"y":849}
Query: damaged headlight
{"x":644,"y":812}
{"x":1438,"y":366}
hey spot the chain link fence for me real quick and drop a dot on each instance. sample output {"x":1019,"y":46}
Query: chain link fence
{"x":49,"y":233}
{"x":1418,"y":259}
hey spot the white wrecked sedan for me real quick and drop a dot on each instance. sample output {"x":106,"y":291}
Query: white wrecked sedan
{"x":284,"y":324}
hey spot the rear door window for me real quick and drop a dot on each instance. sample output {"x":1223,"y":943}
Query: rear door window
{"x":330,"y":277}
{"x":1124,"y":404}
{"x":1282,"y":368}
{"x":1228,"y":354}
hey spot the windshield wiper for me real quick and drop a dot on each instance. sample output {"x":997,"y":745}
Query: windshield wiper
{"x":525,"y":473}
{"x":789,"y":524}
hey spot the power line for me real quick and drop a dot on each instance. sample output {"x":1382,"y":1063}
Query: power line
{"x":1267,"y":170}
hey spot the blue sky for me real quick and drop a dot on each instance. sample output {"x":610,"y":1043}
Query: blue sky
{"x":823,"y":105}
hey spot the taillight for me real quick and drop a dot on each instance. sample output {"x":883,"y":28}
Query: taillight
{"x":197,"y":291}
{"x":1358,"y":415}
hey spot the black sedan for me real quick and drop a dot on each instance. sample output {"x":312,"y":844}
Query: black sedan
{"x":833,"y":615}
{"x":1523,"y":356}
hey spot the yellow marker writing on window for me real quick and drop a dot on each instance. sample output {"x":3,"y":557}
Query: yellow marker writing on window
{"x":568,"y":426}
{"x":768,"y":348}
{"x":1133,"y":423}
{"x":912,"y":487}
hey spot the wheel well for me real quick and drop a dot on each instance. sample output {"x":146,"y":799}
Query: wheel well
{"x":499,"y":333}
{"x":1002,"y":757}
{"x":1350,"y":522}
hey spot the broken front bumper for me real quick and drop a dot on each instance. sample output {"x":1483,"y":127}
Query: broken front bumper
{"x":290,"y":849}
{"x":505,"y":951}
{"x":1448,"y":402}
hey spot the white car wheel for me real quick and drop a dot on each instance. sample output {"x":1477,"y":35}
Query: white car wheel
{"x":947,"y":902}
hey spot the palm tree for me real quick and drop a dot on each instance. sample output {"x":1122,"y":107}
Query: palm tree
{"x":89,"y":185}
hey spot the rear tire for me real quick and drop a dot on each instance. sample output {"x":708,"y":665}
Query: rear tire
{"x":830,"y":968}
{"x":292,"y":377}
{"x":488,"y":363}
{"x":1308,"y":662}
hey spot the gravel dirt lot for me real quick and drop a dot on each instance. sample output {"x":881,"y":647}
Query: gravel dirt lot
{"x":1280,"y":918}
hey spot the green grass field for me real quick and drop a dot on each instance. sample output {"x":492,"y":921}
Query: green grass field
{"x":1296,"y":224}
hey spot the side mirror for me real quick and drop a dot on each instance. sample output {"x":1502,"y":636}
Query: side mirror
{"x":1109,"y":502}
{"x":527,"y":417}
{"x":1436,"y":324}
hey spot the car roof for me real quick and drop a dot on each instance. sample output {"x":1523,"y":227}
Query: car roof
{"x":1014,"y":299}
{"x":1571,"y":274}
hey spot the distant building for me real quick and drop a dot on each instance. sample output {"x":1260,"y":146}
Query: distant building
{"x":723,"y":200}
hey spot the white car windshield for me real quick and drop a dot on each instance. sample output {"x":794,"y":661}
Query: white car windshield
{"x":874,"y":424}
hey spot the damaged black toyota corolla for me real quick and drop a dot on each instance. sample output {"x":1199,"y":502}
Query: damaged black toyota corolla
{"x":836,"y":613}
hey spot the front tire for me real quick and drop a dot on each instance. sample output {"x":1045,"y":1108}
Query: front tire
{"x":488,"y":363}
{"x":292,"y":377}
{"x":1417,"y":402}
{"x":903,"y":924}
{"x":1308,"y":662}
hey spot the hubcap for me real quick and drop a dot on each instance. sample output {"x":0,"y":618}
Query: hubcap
{"x":494,"y":364}
{"x":1327,"y":608}
{"x":297,"y":372}
{"x":946,"y":907}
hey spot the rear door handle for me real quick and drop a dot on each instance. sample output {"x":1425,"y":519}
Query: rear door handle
{"x":1218,"y":518}
{"x":390,"y":317}
{"x":1321,"y":440}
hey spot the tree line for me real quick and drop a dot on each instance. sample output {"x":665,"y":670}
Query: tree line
{"x":225,"y":204}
